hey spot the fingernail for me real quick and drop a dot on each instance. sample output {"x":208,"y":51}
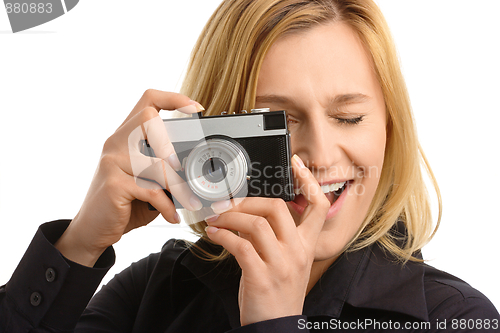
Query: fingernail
{"x":190,"y":108}
{"x":298,"y":160}
{"x":220,"y":206}
{"x":174,"y":162}
{"x":177,"y":218}
{"x":211,"y":218}
{"x":211,"y":230}
{"x":195,"y":203}
{"x":198,"y":106}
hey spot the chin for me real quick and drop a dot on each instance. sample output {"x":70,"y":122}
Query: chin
{"x":340,"y":229}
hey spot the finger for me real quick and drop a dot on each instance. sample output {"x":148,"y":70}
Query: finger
{"x":159,"y":171}
{"x":141,"y":215}
{"x":140,"y":166}
{"x":157,"y":198}
{"x":121,"y":185}
{"x":158,"y":139}
{"x":273,"y":210}
{"x":147,"y":125}
{"x":240,"y":248}
{"x":163,"y":100}
{"x":152,"y":130}
{"x":153,"y":169}
{"x":255,"y":229}
{"x":220,"y":207}
{"x":313,"y":217}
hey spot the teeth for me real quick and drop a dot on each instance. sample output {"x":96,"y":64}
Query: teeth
{"x":325,"y":188}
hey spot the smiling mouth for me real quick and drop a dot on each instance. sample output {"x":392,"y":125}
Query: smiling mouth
{"x":331,"y":191}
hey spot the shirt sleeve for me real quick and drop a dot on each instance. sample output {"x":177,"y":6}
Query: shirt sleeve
{"x":115,"y":307}
{"x":47,"y":292}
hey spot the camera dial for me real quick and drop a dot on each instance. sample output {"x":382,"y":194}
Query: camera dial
{"x":216,"y":169}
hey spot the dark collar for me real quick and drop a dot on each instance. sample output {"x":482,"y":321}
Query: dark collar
{"x":367,"y":278}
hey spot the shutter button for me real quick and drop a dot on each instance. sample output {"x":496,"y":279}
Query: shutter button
{"x":50,"y":275}
{"x":35,"y":299}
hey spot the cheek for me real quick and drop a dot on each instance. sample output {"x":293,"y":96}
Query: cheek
{"x":368,"y":155}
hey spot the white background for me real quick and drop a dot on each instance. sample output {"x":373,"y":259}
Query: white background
{"x":65,"y":86}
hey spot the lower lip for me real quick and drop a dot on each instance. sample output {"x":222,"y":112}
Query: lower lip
{"x":334,"y":209}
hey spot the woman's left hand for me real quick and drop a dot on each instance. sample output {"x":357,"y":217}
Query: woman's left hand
{"x":275,"y":255}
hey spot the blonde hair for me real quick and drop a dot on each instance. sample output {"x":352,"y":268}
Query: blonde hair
{"x":222,"y":76}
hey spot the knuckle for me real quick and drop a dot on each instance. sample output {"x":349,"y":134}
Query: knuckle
{"x":148,"y":94}
{"x":167,"y":147}
{"x":112,"y":183}
{"x":260,"y":223}
{"x":323,"y":202}
{"x":275,"y":201}
{"x":280,"y":206}
{"x":243,"y":247}
{"x":155,"y":193}
{"x":286,"y":271}
{"x":270,"y":286}
{"x":107,"y":162}
{"x":156,"y":167}
{"x":109,"y":144}
{"x":148,"y":113}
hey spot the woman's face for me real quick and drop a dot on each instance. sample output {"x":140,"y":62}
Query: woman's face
{"x":325,"y":81}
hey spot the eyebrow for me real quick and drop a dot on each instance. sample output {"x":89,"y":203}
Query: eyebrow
{"x":345,"y":99}
{"x":276,"y":99}
{"x":341,"y":99}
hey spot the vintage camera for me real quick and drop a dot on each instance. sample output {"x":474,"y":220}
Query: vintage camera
{"x":234,"y":155}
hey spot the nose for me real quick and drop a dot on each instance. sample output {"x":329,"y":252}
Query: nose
{"x":317,"y":144}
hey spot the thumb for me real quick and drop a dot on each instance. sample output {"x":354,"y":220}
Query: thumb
{"x":313,"y":217}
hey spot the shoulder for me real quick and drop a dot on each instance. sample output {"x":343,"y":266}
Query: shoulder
{"x":449,"y":297}
{"x":131,"y":283}
{"x":139,"y":273}
{"x":169,"y":254}
{"x":173,"y":248}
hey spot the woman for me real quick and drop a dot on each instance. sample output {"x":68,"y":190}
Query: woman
{"x":324,"y":261}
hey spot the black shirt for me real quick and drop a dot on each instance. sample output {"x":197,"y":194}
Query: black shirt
{"x":175,"y":291}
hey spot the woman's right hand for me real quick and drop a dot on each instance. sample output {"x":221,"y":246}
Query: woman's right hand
{"x":116,"y":201}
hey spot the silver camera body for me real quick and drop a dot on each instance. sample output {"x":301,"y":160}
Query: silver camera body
{"x":233,"y":155}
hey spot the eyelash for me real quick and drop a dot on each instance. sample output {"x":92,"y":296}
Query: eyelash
{"x":342,"y":121}
{"x":350,"y":121}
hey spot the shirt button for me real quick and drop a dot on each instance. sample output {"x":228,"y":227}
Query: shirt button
{"x":35,"y":299}
{"x":50,"y":274}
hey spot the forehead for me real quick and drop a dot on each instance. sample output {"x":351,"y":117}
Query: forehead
{"x":327,"y":57}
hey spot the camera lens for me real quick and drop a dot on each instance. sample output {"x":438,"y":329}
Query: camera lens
{"x":214,"y":170}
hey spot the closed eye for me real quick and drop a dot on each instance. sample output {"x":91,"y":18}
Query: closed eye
{"x":290,"y":119}
{"x":350,"y":121}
